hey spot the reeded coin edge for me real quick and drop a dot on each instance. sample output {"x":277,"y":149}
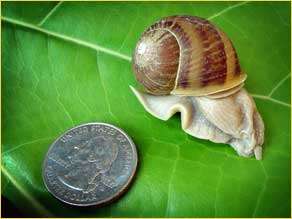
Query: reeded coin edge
{"x":105,"y":201}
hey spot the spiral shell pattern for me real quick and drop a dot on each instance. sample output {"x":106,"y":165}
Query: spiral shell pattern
{"x":186,"y":55}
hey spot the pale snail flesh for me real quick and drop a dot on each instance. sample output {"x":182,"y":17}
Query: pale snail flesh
{"x":188,"y":65}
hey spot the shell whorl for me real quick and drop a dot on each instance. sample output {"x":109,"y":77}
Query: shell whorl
{"x":186,"y":55}
{"x":156,"y":61}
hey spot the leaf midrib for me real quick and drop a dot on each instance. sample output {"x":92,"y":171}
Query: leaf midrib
{"x":97,"y":47}
{"x":67,"y":38}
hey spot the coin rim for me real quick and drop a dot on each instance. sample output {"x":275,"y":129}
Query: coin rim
{"x":120,"y":191}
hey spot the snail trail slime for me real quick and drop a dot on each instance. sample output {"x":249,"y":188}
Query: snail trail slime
{"x":188,"y":65}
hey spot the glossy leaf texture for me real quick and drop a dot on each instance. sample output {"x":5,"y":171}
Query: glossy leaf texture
{"x":68,"y":63}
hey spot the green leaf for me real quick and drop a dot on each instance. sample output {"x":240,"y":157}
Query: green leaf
{"x":69,"y":63}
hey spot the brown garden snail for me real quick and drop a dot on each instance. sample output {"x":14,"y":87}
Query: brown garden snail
{"x":187,"y":65}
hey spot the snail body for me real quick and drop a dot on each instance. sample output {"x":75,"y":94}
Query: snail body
{"x":187,"y":65}
{"x":186,"y":55}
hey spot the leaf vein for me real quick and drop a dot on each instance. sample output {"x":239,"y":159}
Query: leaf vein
{"x":169,"y":184}
{"x":217,"y":191}
{"x":130,"y":31}
{"x":104,"y":90}
{"x":279,"y":84}
{"x":226,"y":10}
{"x":53,"y":10}
{"x":117,"y":54}
{"x":25,"y":143}
{"x":58,"y":93}
{"x":67,"y":38}
{"x":25,"y":193}
{"x":263,"y":97}
{"x":77,"y":90}
{"x":261,"y":192}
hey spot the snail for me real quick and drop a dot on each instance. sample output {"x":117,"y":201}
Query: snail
{"x":186,"y":64}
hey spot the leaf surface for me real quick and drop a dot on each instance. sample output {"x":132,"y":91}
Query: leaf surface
{"x":69,"y":63}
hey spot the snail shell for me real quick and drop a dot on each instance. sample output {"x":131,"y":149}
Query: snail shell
{"x":186,"y":55}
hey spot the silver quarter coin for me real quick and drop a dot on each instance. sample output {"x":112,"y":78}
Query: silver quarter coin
{"x":90,"y":164}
